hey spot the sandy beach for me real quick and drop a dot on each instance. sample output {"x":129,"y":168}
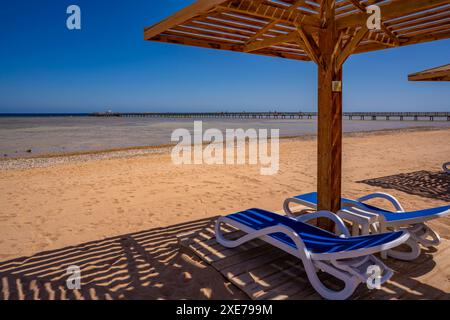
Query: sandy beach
{"x":74,"y":202}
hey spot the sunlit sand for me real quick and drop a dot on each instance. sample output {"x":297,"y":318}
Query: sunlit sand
{"x":71,"y":204}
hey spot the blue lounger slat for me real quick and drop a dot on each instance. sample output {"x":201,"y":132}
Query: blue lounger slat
{"x":316,"y":240}
{"x":389,"y":216}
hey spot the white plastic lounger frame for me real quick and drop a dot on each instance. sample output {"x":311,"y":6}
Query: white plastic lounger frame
{"x":419,"y":231}
{"x":350,"y":267}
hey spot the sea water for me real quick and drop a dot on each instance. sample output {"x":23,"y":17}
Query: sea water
{"x":38,"y":135}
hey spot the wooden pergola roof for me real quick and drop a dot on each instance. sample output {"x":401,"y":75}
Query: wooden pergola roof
{"x":281,"y":27}
{"x":435,"y":74}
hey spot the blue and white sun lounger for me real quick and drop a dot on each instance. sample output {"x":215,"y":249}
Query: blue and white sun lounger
{"x":413,"y":221}
{"x":344,"y":257}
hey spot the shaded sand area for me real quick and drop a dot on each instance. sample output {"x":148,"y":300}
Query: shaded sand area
{"x":121,"y":219}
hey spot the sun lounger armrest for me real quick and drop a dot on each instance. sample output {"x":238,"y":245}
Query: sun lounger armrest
{"x":340,"y":225}
{"x":398,"y":207}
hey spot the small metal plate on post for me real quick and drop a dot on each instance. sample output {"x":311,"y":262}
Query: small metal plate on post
{"x":337,"y":86}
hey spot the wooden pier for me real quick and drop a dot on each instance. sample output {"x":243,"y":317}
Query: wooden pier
{"x":373,"y":116}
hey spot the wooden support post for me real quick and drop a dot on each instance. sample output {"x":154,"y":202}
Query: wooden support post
{"x":330,"y":117}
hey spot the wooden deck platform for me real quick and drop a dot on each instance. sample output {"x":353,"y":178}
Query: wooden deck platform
{"x":265,"y":272}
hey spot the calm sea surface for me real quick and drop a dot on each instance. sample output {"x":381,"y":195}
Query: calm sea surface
{"x":43,"y":135}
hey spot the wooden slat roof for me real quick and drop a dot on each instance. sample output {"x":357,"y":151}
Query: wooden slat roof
{"x":435,"y":74}
{"x":270,"y":27}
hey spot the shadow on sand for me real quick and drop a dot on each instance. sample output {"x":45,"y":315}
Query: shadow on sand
{"x":143,"y":265}
{"x":153,"y":265}
{"x":434,"y":185}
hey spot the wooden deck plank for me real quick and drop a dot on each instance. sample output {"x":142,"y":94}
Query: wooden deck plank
{"x":251,"y":264}
{"x":213,"y":254}
{"x":257,"y":275}
{"x":243,"y":255}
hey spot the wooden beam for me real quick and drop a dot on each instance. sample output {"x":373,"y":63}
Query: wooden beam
{"x":390,"y":34}
{"x":297,"y":4}
{"x":329,"y":119}
{"x":390,"y":10}
{"x":338,"y":45}
{"x":181,"y":16}
{"x":427,"y":37}
{"x":441,"y":76}
{"x":381,"y":38}
{"x":350,"y":47}
{"x":268,"y":42}
{"x":273,"y":23}
{"x":262,"y":32}
{"x":358,"y":5}
{"x":270,"y":12}
{"x":436,"y":74}
{"x":224,"y":46}
{"x":309,"y":45}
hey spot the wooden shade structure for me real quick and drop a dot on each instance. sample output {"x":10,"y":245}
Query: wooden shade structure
{"x":436,"y":74}
{"x":326,"y":32}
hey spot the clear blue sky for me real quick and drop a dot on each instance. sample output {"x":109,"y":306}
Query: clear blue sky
{"x":47,"y":68}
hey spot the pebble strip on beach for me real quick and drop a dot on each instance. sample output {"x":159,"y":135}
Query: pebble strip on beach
{"x":44,"y":162}
{"x":49,"y":161}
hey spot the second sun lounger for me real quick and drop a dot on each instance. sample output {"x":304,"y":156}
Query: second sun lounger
{"x":342,"y":256}
{"x":414,"y":221}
